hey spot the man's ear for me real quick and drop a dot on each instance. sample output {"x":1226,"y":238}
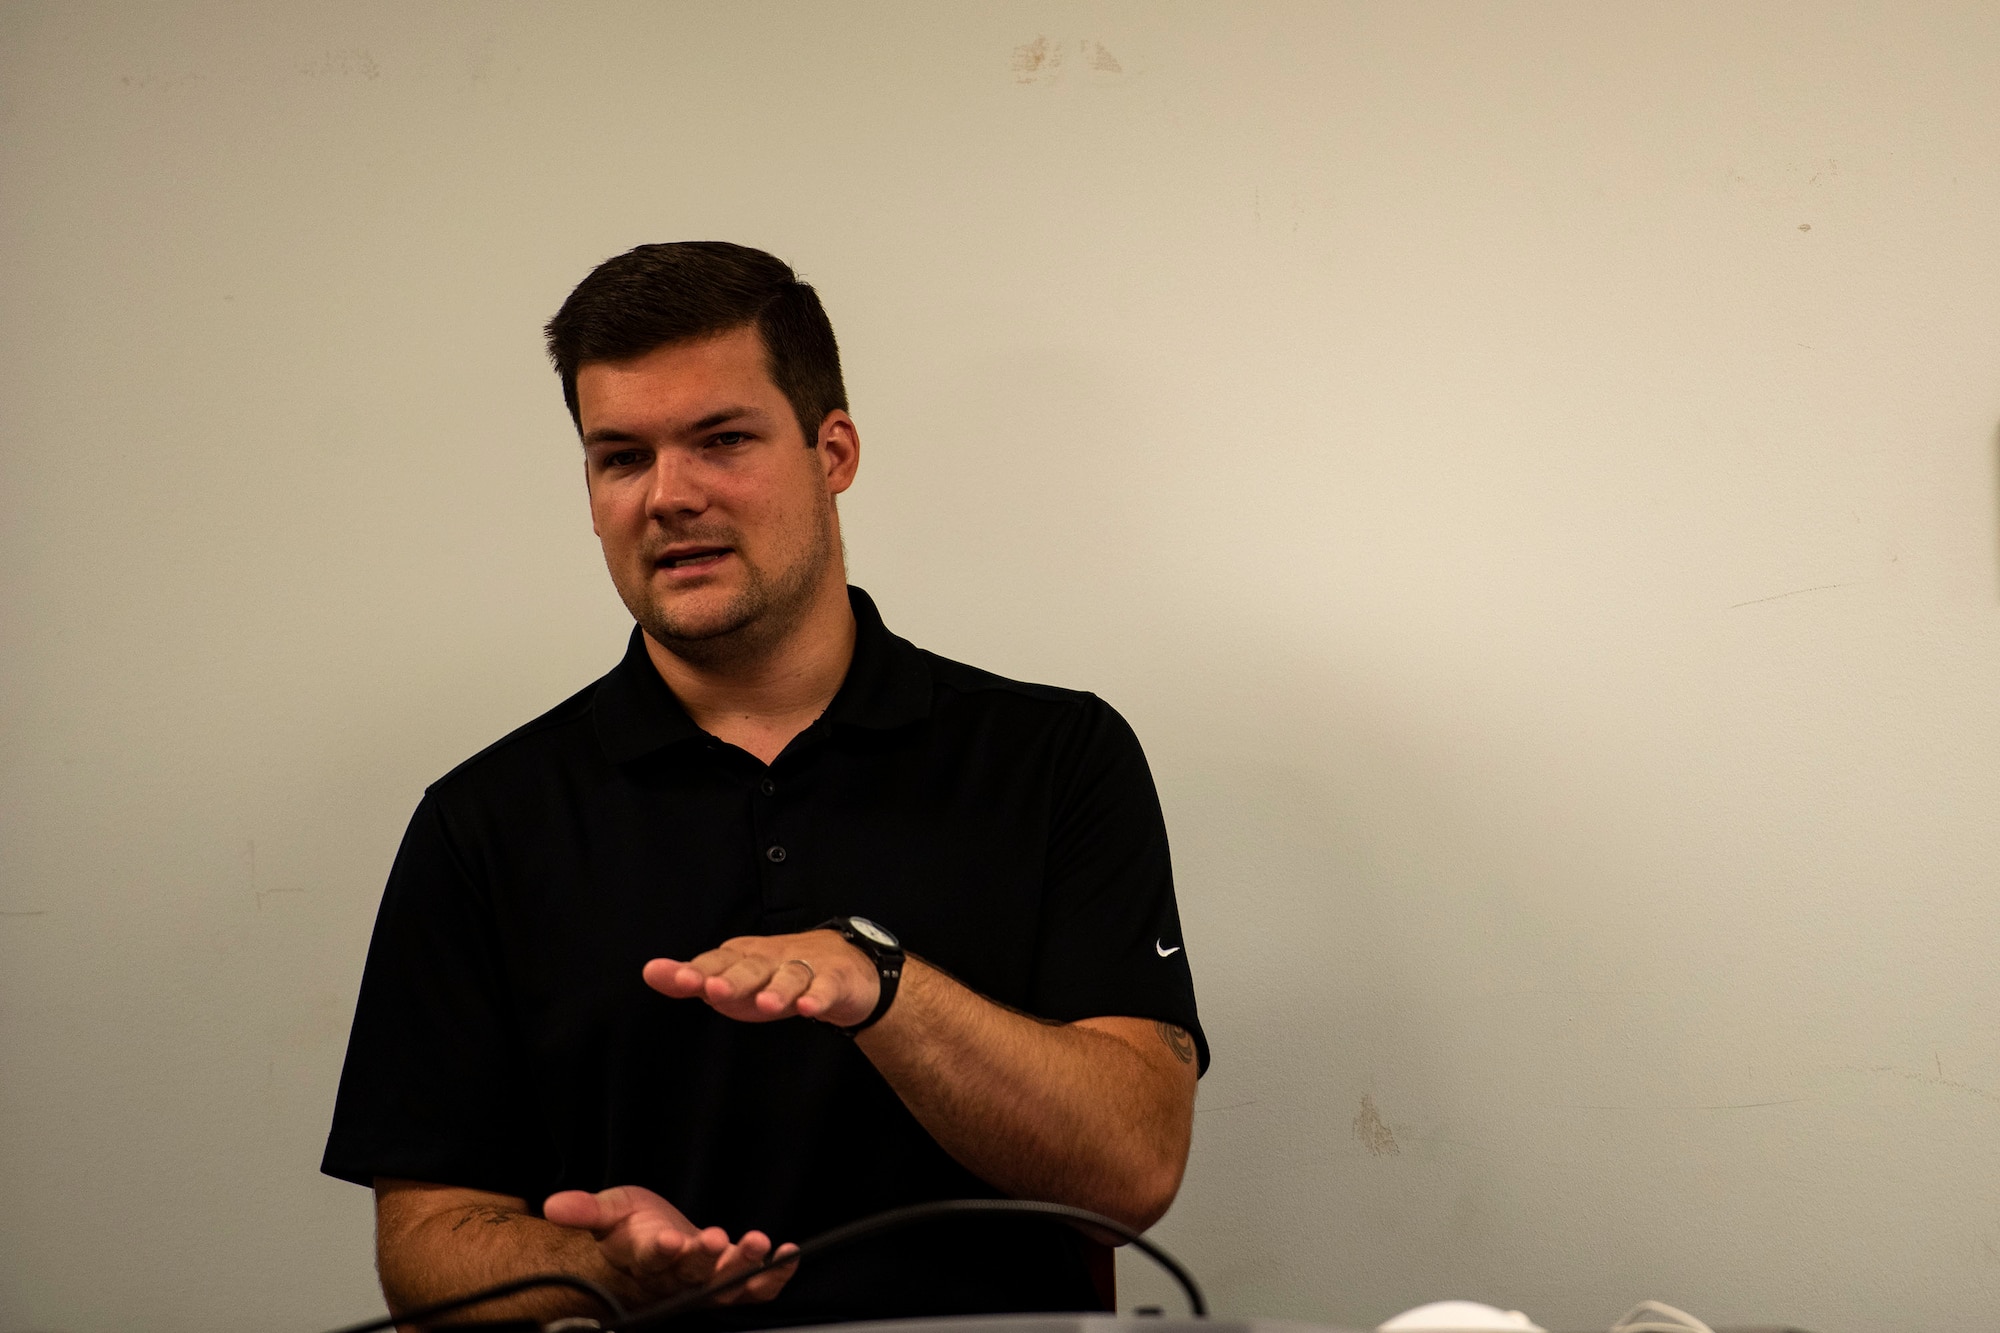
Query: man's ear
{"x":839,"y":447}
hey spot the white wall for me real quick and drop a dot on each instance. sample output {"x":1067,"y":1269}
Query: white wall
{"x":1527,"y":471}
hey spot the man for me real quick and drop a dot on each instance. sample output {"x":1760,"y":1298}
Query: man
{"x":783,"y":922}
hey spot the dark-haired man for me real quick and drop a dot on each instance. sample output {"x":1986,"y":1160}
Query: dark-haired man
{"x":781,"y":923}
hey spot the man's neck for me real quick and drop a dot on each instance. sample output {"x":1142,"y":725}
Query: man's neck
{"x":760,"y":703}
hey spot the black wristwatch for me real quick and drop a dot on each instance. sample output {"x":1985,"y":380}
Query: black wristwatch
{"x":883,"y":949}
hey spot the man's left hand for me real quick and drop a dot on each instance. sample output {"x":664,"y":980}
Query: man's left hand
{"x":761,"y":978}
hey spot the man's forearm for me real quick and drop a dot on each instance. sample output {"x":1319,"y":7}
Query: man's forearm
{"x":435,"y":1244}
{"x":1096,"y":1114}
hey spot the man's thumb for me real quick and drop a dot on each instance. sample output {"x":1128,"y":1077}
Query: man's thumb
{"x":581,"y":1209}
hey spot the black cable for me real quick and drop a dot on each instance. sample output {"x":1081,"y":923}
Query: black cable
{"x":494,"y":1293}
{"x":895,"y":1220}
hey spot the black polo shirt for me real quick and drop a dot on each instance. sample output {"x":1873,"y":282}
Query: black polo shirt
{"x":504,"y":1041}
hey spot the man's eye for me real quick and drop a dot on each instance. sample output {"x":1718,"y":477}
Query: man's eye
{"x":729,"y":437}
{"x":623,"y":458}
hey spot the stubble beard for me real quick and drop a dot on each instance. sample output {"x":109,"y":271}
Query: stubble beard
{"x":764,"y":612}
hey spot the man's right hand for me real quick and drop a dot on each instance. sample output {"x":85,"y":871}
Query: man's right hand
{"x":435,"y":1242}
{"x":651,"y":1242}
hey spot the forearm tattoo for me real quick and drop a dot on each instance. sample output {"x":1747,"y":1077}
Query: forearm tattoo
{"x":1177,"y":1041}
{"x":487,"y":1213}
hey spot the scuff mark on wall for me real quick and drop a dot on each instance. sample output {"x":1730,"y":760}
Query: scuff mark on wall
{"x":1036,"y":61}
{"x":1937,"y":1080}
{"x":1374,"y":1134}
{"x":1796,"y":592}
{"x":1041,"y":61}
{"x":250,"y":868}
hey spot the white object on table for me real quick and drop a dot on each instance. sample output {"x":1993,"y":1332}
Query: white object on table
{"x":1460,"y":1317}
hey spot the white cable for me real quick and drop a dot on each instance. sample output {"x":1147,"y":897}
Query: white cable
{"x":1658,"y":1317}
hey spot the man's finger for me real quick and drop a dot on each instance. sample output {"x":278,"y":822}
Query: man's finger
{"x":696,"y":1267}
{"x":786,"y":985}
{"x":719,"y":959}
{"x":767,"y":1285}
{"x":742,"y":1257}
{"x":745,"y":976}
{"x":668,"y":976}
{"x":685,"y":981}
{"x":653,"y":1249}
{"x":826,"y":991}
{"x":815,"y":999}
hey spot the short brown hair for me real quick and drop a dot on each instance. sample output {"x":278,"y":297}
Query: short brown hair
{"x":654,"y":295}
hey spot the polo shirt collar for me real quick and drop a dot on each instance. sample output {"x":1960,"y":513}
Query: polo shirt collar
{"x":888,"y":685}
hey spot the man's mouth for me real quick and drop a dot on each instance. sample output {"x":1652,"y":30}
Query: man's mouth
{"x":684,"y":557}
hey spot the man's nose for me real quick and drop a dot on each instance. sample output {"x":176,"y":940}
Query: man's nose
{"x":676,"y":485}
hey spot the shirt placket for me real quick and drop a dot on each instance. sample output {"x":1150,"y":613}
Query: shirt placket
{"x":777,"y":827}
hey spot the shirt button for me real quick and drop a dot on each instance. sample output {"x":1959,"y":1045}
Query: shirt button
{"x":774,"y":854}
{"x":768,"y":787}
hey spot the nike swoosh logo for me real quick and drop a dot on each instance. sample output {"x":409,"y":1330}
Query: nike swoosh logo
{"x":1161,"y":949}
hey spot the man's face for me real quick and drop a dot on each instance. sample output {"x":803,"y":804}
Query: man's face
{"x":717,"y":521}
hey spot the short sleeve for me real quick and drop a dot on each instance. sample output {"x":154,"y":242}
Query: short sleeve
{"x":1111,"y":942}
{"x":432,"y":1087}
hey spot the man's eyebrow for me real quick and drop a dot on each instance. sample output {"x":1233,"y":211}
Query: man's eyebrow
{"x":727,"y":414}
{"x":721,"y":416}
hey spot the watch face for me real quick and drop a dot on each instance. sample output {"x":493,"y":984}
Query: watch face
{"x":868,"y":930}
